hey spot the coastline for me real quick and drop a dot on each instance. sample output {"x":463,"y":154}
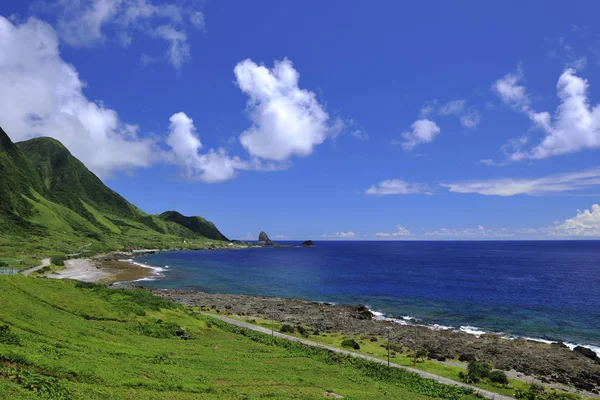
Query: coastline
{"x":554,"y":365}
{"x":551,"y":364}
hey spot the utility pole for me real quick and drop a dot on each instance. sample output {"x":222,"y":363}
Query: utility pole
{"x":273,"y":321}
{"x":388,"y":332}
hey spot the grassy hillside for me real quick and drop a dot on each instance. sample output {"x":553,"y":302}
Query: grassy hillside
{"x":17,"y":177}
{"x":51,"y":203}
{"x":63,"y":340}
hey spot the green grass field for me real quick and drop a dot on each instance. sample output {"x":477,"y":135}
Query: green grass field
{"x":72,"y":340}
{"x":404,"y":357}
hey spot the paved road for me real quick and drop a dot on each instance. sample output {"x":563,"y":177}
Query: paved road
{"x":45,"y":263}
{"x":424,"y":374}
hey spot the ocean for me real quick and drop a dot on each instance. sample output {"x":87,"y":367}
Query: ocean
{"x":542,"y":290}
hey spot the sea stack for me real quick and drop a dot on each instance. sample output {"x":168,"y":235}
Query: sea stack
{"x":263,"y":239}
{"x":308,"y":243}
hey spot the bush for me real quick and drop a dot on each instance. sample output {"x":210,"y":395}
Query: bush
{"x":59,"y":260}
{"x":497,"y":376}
{"x":4,"y":264}
{"x":476,"y":372}
{"x":286,"y":328}
{"x":351,"y":343}
{"x":301,"y":330}
{"x":7,"y":337}
{"x":467,"y":358}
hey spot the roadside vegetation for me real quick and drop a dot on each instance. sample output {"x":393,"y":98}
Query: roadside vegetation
{"x":471,"y":372}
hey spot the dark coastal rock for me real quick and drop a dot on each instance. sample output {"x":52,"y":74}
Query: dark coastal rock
{"x":308,"y":243}
{"x":584,"y":351}
{"x":362,"y":312}
{"x":263,"y":239}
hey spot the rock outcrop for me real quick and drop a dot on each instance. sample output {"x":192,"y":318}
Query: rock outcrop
{"x":263,"y":239}
{"x":308,"y":243}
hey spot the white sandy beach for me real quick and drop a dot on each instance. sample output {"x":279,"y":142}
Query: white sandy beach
{"x":80,"y":269}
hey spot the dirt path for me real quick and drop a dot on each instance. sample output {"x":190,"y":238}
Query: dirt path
{"x":45,"y":263}
{"x":424,"y":374}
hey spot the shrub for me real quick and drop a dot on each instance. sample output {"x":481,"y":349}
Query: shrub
{"x":497,"y":376}
{"x":351,"y":343}
{"x":467,"y":357}
{"x":301,"y":330}
{"x":59,"y":260}
{"x":7,"y":337}
{"x":4,"y":264}
{"x":476,"y":371}
{"x":287,"y":328}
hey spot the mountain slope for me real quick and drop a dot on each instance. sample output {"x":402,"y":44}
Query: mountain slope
{"x":52,"y":203}
{"x":68,"y":182}
{"x":17,"y":178}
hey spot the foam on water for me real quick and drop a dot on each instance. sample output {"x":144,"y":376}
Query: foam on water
{"x":471,"y":330}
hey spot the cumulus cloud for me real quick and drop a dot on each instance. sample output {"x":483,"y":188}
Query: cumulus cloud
{"x":42,"y":95}
{"x":585,"y":223}
{"x":83,"y":23}
{"x":423,"y":131}
{"x":397,"y":187}
{"x":401,"y":231}
{"x":211,"y":166}
{"x":575,"y":125}
{"x":286,"y":120}
{"x":341,"y":235}
{"x":529,"y":186}
{"x":454,"y":107}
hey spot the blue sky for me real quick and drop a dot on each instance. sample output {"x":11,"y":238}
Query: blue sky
{"x":353,"y":120}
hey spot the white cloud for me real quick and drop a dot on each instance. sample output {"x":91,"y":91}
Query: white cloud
{"x":428,"y":108}
{"x":397,"y":186}
{"x":529,"y":186}
{"x":42,"y":95}
{"x":454,"y":107}
{"x":423,"y":131}
{"x":212,"y":166}
{"x":280,"y":237}
{"x":341,"y":235}
{"x":179,"y":48}
{"x":574,"y":127}
{"x":470,"y":233}
{"x":471,"y":119}
{"x":359,"y":134}
{"x":286,"y":120}
{"x":585,"y":223}
{"x":401,"y":232}
{"x":509,"y":89}
{"x":85,"y":23}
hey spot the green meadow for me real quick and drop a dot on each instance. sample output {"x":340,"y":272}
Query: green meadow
{"x":71,"y":340}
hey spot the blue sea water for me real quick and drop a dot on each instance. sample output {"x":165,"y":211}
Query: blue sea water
{"x":537,"y":289}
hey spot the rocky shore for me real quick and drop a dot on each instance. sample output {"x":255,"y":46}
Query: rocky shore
{"x":550,"y":363}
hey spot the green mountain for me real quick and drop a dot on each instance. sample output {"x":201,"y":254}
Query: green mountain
{"x":51,"y":203}
{"x":195,"y":224}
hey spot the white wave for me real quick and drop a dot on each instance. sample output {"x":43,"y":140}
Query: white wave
{"x":144,"y":265}
{"x":471,"y":330}
{"x":595,"y":349}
